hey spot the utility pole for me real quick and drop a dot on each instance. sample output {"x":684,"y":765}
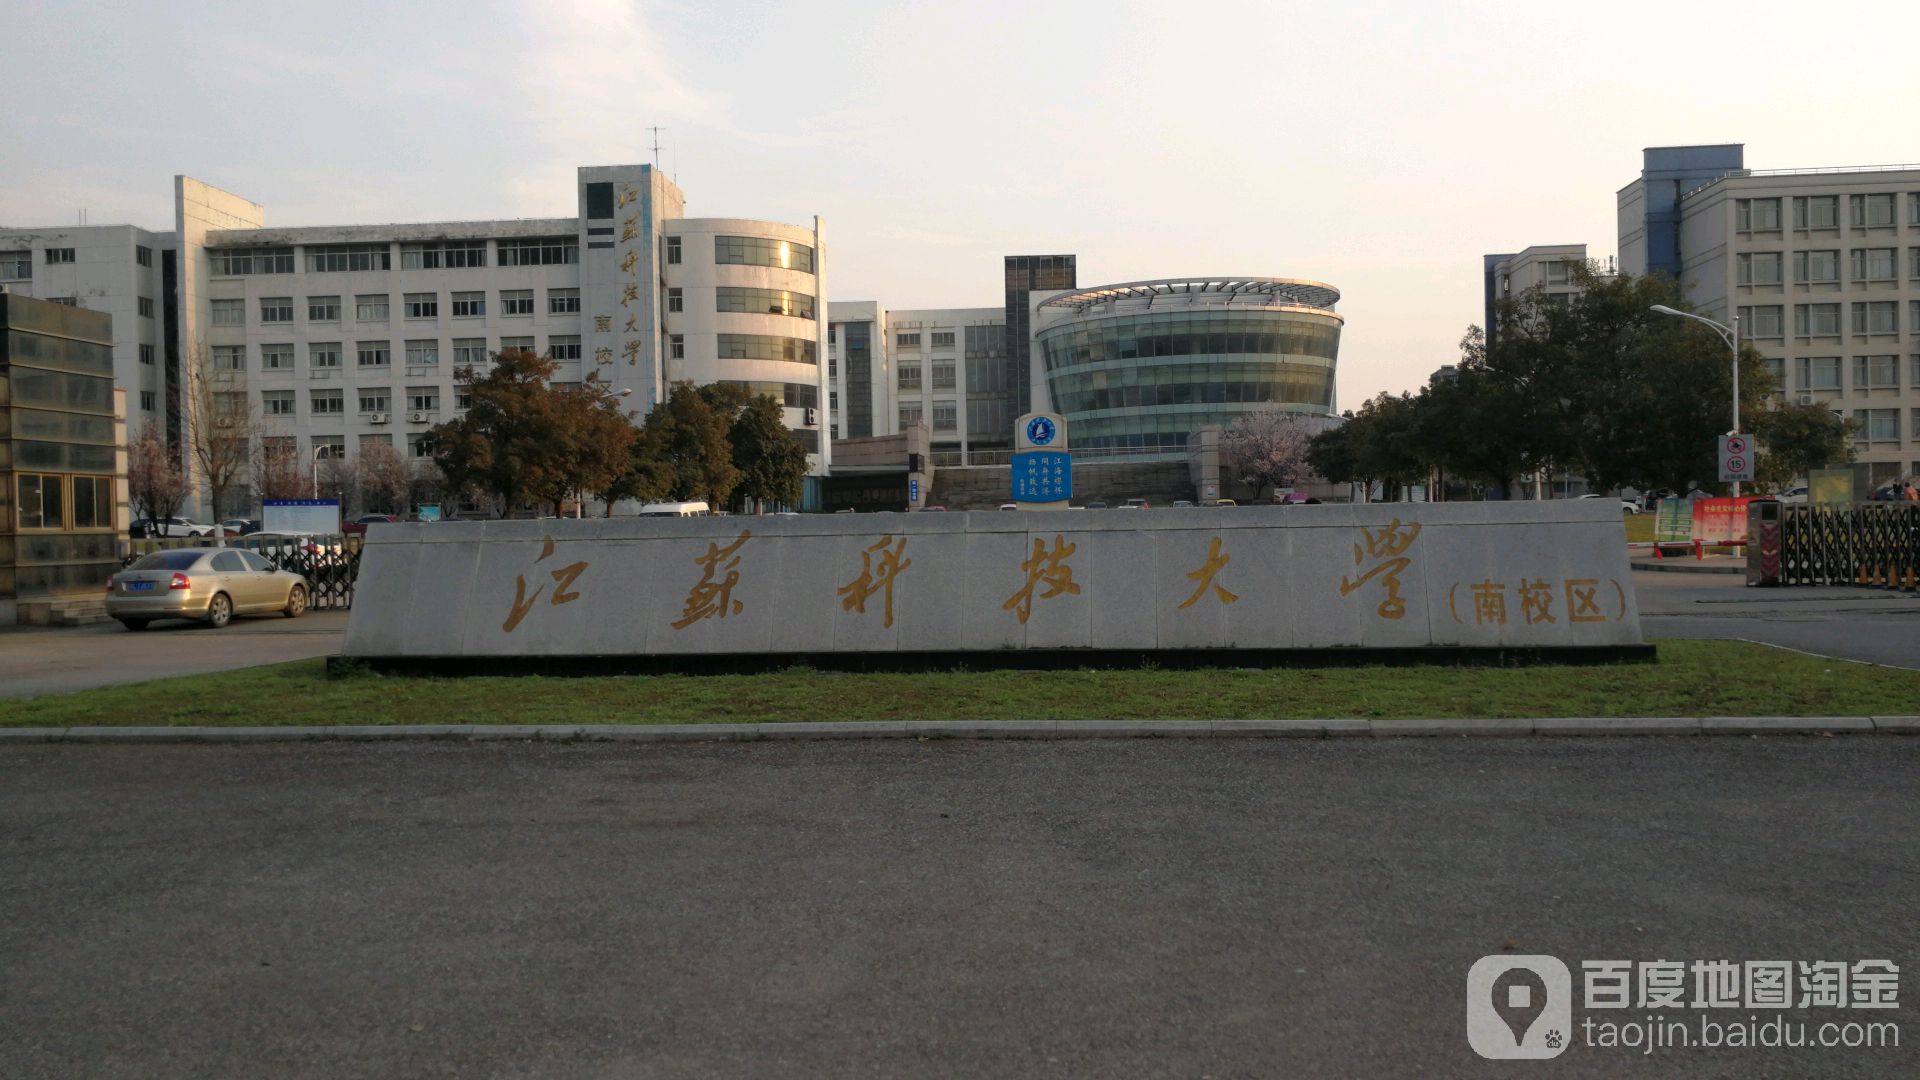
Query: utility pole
{"x":656,"y":146}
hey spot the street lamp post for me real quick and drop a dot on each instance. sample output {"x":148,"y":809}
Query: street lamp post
{"x":319,"y":452}
{"x":1730,"y":335}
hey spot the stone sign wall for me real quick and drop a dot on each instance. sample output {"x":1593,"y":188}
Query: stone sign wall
{"x":1523,"y":575}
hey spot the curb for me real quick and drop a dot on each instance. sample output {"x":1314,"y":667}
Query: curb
{"x":1686,"y":565}
{"x":988,"y":729}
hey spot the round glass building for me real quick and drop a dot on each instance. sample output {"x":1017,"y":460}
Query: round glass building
{"x":1144,"y":364}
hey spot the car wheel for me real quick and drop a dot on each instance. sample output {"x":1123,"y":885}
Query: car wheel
{"x":219,"y":611}
{"x":296,"y":602}
{"x":134,"y":624}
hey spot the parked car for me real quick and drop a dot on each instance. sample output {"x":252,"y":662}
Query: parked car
{"x":1137,"y":504}
{"x":241,"y":526}
{"x":1009,"y":506}
{"x":1794,"y":494}
{"x":1097,"y":504}
{"x":210,"y":585}
{"x":1225,"y":502}
{"x":358,"y":526}
{"x":1177,"y":503}
{"x":143,"y":528}
{"x":1626,"y":507}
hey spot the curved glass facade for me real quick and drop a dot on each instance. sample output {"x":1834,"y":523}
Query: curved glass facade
{"x":1149,"y":380}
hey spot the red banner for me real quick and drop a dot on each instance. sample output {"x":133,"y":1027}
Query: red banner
{"x":1720,"y":521}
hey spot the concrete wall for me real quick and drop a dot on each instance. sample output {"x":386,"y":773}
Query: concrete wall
{"x":1460,"y":574}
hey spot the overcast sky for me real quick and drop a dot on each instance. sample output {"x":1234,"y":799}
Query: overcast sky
{"x":1380,"y":147}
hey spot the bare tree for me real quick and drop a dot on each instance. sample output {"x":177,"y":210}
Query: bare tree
{"x":1268,"y":447}
{"x":339,"y":477}
{"x":278,"y":472}
{"x":223,"y":426}
{"x":385,"y":479}
{"x":429,"y":483}
{"x":155,"y":484}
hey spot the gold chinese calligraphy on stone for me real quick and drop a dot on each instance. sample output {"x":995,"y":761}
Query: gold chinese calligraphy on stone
{"x":629,"y":294}
{"x":628,"y":193}
{"x":603,"y":324}
{"x":1490,"y":603}
{"x":1216,"y":561}
{"x":1389,"y":545}
{"x":1048,"y":567}
{"x":876,"y":578}
{"x":1536,"y":601}
{"x":603,"y":355}
{"x":710,"y":598}
{"x":562,"y":594}
{"x":633,"y":323}
{"x":632,"y":229}
{"x":1583,"y":606}
{"x":628,"y":262}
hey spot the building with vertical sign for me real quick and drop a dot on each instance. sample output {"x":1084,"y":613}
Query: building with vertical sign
{"x":345,"y":336}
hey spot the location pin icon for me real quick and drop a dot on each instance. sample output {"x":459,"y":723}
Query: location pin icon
{"x":1519,"y":996}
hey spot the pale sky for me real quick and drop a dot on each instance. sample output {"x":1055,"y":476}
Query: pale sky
{"x":1380,"y":147}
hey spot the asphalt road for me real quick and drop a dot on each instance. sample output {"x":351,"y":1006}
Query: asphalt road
{"x":1221,"y":908}
{"x":41,"y":660}
{"x":1874,"y":626}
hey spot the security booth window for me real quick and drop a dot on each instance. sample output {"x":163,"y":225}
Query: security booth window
{"x":40,"y":501}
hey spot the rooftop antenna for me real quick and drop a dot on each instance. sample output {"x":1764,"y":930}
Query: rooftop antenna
{"x":656,"y":147}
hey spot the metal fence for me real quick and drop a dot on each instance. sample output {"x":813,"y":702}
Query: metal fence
{"x":1864,"y":544}
{"x":329,"y":563}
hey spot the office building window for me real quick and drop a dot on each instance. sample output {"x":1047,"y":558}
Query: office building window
{"x":757,"y":301}
{"x":1913,"y":377}
{"x":329,"y":447}
{"x":1816,"y":320}
{"x":277,"y":356}
{"x":946,"y":416}
{"x":93,"y":502}
{"x":146,"y":354}
{"x":276,"y":402}
{"x":323,"y":354}
{"x":1765,"y":321}
{"x":423,"y":352}
{"x":673,"y":250}
{"x":767,"y":347}
{"x":943,"y":375}
{"x":323,"y":309}
{"x":542,"y":251}
{"x":512,"y":344}
{"x":444,"y":255}
{"x":942,"y":339}
{"x":463,"y":400}
{"x":988,"y":340}
{"x":760,"y":251}
{"x":1816,"y":267}
{"x":1874,"y":264}
{"x":375,"y":353}
{"x":1913,"y":208}
{"x":59,"y":255}
{"x":16,"y":265}
{"x":1876,"y":317}
{"x":1756,"y":215}
{"x":370,"y":307}
{"x":376,"y":399}
{"x":145,"y":307}
{"x":41,"y":501}
{"x":675,"y":300}
{"x":469,"y":352}
{"x":676,"y":346}
{"x":1877,"y":425}
{"x":1816,"y":212}
{"x":1819,"y":373}
{"x":1876,"y":372}
{"x":326,"y":402}
{"x":229,"y":312}
{"x":421,"y":446}
{"x":910,"y":413}
{"x":516,"y":301}
{"x":1557,"y":272}
{"x":423,"y":399}
{"x":339,"y":258}
{"x":64,"y":301}
{"x":563,"y":301}
{"x":564,"y":346}
{"x":146,"y":400}
{"x":144,"y":256}
{"x":469,"y":305}
{"x":1759,"y":268}
{"x":229,"y":358}
{"x":423,"y":305}
{"x":909,"y":376}
{"x":907,"y":341}
{"x":238,"y":262}
{"x":1870,"y":211}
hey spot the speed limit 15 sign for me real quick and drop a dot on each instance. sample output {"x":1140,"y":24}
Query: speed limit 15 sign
{"x":1736,"y":457}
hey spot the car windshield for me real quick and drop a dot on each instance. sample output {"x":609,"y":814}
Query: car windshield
{"x":168,"y":560}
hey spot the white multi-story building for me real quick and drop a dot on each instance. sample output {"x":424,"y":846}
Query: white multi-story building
{"x":343,"y":336}
{"x":1546,"y":267}
{"x":1820,"y":266}
{"x":946,"y":368}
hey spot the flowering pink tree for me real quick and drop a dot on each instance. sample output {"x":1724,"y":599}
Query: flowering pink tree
{"x":1268,"y":447}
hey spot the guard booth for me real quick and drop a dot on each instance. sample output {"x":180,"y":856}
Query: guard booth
{"x":1763,"y":542}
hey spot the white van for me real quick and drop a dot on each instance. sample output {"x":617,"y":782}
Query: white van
{"x":674,"y":509}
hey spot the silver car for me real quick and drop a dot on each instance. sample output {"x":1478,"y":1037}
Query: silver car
{"x":211,"y":585}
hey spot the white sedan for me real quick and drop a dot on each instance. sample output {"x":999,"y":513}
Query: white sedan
{"x":1625,"y":506}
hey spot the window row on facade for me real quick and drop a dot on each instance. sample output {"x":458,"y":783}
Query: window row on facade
{"x":57,"y":501}
{"x":1865,"y":266}
{"x":751,"y":301}
{"x":1868,"y":210}
{"x":1865,"y":317}
{"x":419,"y":352}
{"x":379,"y":307}
{"x":418,"y":401}
{"x":1879,"y":371}
{"x":1882,"y":425}
{"x":1253,"y":334}
{"x":753,"y":251}
{"x":374,"y":257}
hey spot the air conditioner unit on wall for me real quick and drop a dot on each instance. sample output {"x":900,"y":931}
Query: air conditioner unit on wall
{"x":419,"y":417}
{"x":1806,"y":399}
{"x":379,"y":417}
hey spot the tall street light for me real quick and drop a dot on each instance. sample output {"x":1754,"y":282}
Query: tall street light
{"x":1730,"y":335}
{"x":320,"y":451}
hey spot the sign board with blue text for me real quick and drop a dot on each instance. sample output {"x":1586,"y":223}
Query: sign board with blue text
{"x":913,"y":491}
{"x":301,"y":517}
{"x":1042,"y":466}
